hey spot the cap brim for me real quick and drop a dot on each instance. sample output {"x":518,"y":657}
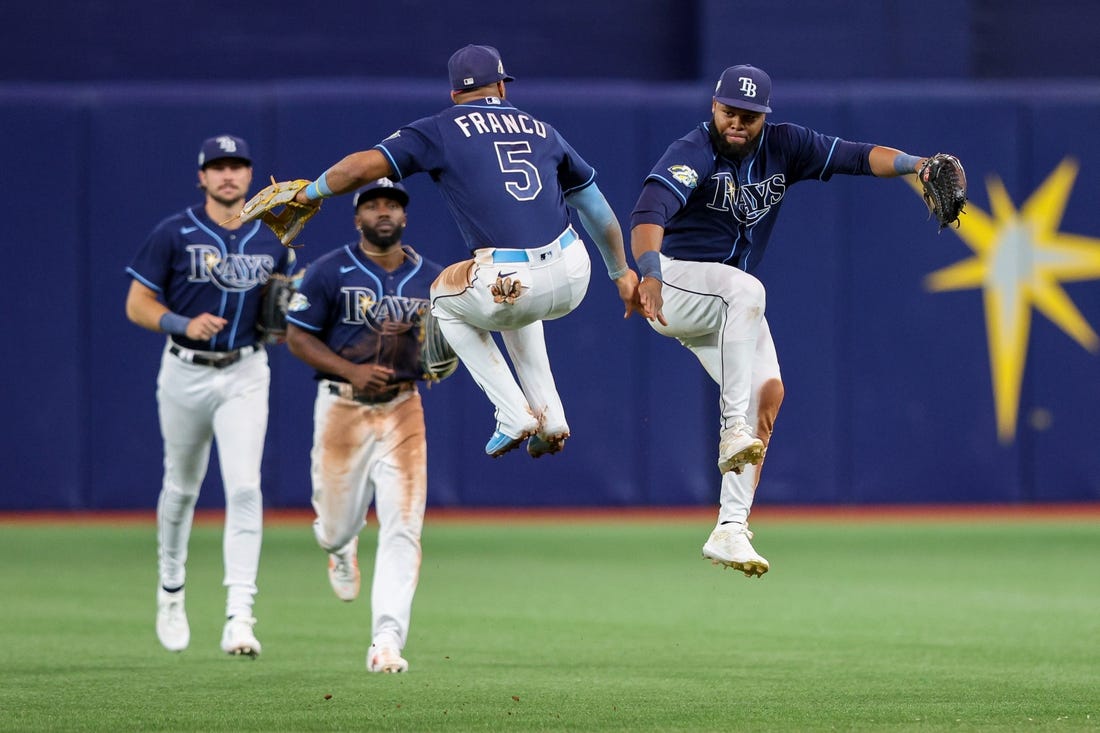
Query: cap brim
{"x":380,"y":193}
{"x":742,"y":104}
{"x":205,"y":163}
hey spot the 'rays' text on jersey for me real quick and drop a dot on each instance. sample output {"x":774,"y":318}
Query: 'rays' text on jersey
{"x":481,"y":123}
{"x":363,"y":307}
{"x":750,"y":201}
{"x":233,"y":273}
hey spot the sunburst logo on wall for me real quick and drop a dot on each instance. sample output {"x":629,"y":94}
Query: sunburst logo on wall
{"x":1020,"y":262}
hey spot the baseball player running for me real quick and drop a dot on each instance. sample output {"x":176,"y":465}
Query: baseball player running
{"x":356,"y":320}
{"x":700,"y":226}
{"x":200,"y":282}
{"x":507,"y":178}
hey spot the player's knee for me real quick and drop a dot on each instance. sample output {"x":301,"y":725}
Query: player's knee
{"x":331,"y":539}
{"x":753,"y":295}
{"x":179,"y":494}
{"x":243,"y":497}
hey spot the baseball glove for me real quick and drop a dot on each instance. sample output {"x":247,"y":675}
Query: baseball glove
{"x":437,"y":359}
{"x":271,"y":322}
{"x":288,"y":223}
{"x":943,"y":184}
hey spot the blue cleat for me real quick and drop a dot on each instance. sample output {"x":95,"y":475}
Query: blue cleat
{"x":501,"y":443}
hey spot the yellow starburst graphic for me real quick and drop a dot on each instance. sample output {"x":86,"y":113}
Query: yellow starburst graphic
{"x":1020,"y":260}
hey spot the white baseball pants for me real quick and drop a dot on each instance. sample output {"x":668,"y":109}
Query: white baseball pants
{"x":375,"y":452}
{"x":554,"y":279}
{"x":717,"y":312}
{"x":198,"y":404}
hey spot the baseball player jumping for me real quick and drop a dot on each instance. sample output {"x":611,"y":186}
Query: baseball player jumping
{"x":701,"y":224}
{"x":200,"y":282}
{"x":356,"y":319}
{"x":506,"y":177}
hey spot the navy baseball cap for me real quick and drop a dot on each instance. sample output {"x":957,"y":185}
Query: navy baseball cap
{"x":744,"y":87}
{"x":475,"y":66}
{"x":382,"y":187}
{"x":223,"y":146}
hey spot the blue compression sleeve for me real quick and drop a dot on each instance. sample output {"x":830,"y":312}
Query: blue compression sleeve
{"x":598,"y":220}
{"x":905,"y":163}
{"x":174,"y":323}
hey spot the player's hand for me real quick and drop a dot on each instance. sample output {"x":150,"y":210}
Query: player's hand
{"x":205,"y":326}
{"x":369,"y":377}
{"x":651,"y":300}
{"x":627,"y":283}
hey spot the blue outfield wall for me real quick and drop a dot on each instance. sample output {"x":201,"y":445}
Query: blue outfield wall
{"x":890,"y":395}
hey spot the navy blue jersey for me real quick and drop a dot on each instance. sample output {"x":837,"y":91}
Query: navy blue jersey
{"x":199,"y":267}
{"x":503,"y":174}
{"x":363,"y":313}
{"x":725,"y":210}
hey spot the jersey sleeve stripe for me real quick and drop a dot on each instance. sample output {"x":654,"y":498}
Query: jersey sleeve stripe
{"x":832,"y":149}
{"x":302,"y":324}
{"x":586,"y":184}
{"x":397,"y":176}
{"x":152,"y":286}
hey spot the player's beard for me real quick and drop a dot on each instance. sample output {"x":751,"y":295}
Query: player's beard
{"x":384,"y":241}
{"x":728,"y":150}
{"x":224,"y":200}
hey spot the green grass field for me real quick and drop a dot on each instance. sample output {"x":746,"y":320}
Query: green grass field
{"x":574,"y":625}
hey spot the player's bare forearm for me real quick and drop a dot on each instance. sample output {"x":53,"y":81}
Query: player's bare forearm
{"x":316,"y":353}
{"x":144,"y":309}
{"x":890,"y":162}
{"x":313,"y":351}
{"x":646,"y":238}
{"x":353,"y":171}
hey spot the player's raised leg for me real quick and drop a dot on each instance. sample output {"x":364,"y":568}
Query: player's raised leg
{"x":716,"y":311}
{"x":342,"y":494}
{"x":527,"y":349}
{"x":729,"y":544}
{"x":454,"y":310}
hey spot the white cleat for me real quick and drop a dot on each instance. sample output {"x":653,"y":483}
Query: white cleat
{"x":738,"y":448}
{"x":385,"y":659}
{"x":343,"y":571}
{"x":729,"y":545}
{"x":238,"y":638}
{"x":172,"y":628}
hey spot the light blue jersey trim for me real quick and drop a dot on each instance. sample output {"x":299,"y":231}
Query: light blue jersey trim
{"x":586,"y":184}
{"x":397,"y":175}
{"x":225,"y":301}
{"x":137,"y":276}
{"x":299,"y":324}
{"x":824,"y":168}
{"x":241,"y":295}
{"x":416,"y":269}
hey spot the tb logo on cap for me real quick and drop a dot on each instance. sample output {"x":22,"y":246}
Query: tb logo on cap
{"x":748,"y":86}
{"x":227,"y":144}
